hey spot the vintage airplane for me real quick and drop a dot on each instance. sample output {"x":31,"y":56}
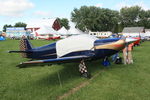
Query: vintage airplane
{"x":75,"y":48}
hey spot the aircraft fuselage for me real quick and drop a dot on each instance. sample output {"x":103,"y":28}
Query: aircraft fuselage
{"x":101,"y":49}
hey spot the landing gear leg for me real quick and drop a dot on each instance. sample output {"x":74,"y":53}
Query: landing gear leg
{"x":83,"y":70}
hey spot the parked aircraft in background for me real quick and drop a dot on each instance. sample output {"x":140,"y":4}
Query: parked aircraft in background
{"x":78,"y":48}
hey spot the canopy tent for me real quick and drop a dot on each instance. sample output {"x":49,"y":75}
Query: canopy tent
{"x":71,"y":31}
{"x":48,"y":22}
{"x":63,"y":31}
{"x":45,"y":30}
{"x":74,"y":31}
{"x":147,"y":34}
{"x":37,"y":23}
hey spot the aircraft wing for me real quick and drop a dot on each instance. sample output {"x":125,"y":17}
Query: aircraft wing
{"x":57,"y":60}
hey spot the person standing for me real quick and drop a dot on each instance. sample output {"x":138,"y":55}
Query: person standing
{"x":130,"y":58}
{"x":127,"y":54}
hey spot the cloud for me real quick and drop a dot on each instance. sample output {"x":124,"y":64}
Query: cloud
{"x":98,"y":5}
{"x":143,"y":5}
{"x":14,"y":7}
{"x":42,"y":13}
{"x":127,"y":3}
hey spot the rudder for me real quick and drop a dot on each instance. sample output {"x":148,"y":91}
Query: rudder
{"x":24,"y":46}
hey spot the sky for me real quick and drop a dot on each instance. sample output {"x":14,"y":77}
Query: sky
{"x":26,"y":11}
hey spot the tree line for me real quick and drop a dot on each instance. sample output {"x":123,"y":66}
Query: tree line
{"x":18,"y":24}
{"x":91,"y":18}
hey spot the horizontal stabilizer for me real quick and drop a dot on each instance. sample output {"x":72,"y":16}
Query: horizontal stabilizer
{"x":19,"y":51}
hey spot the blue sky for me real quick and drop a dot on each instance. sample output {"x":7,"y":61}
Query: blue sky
{"x":13,"y":11}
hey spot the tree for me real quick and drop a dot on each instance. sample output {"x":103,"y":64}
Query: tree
{"x":64,"y":22}
{"x":95,"y":19}
{"x":130,"y":15}
{"x":144,"y":19}
{"x":20,"y":24}
{"x":5,"y":26}
{"x":134,"y":16}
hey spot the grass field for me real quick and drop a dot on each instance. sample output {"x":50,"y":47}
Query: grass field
{"x":119,"y":82}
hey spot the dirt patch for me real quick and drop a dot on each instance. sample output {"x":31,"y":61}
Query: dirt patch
{"x":77,"y":88}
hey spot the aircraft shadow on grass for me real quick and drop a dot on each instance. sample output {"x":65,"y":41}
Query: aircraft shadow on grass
{"x":68,"y":72}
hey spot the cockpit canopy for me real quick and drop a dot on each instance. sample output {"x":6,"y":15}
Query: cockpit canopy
{"x":74,"y":44}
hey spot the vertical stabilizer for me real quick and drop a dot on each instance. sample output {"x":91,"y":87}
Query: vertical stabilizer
{"x":25,"y":45}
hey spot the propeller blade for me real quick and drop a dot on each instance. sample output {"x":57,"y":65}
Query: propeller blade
{"x":130,"y":40}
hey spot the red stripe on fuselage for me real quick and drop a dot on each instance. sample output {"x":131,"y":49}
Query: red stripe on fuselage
{"x":118,"y":45}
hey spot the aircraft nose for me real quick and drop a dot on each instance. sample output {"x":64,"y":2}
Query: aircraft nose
{"x":130,"y":40}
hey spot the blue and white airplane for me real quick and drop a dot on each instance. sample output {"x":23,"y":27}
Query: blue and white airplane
{"x":75,"y":48}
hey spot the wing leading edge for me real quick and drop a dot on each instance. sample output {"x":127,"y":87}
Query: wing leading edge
{"x":57,"y":60}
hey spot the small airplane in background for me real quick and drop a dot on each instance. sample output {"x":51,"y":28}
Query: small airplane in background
{"x":78,"y":48}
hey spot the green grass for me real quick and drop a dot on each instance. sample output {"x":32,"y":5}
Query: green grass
{"x":119,"y":82}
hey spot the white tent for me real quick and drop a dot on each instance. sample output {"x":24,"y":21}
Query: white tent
{"x":74,"y":31}
{"x":45,"y":30}
{"x":37,"y":23}
{"x":63,"y":31}
{"x":147,"y":34}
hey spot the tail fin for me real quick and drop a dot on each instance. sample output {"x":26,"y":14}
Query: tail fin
{"x":25,"y":45}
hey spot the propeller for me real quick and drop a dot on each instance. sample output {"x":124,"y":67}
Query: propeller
{"x":130,"y":40}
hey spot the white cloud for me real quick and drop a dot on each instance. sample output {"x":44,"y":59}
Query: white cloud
{"x":14,"y":7}
{"x":127,"y":3}
{"x":143,"y":5}
{"x":42,"y":13}
{"x":98,"y":5}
